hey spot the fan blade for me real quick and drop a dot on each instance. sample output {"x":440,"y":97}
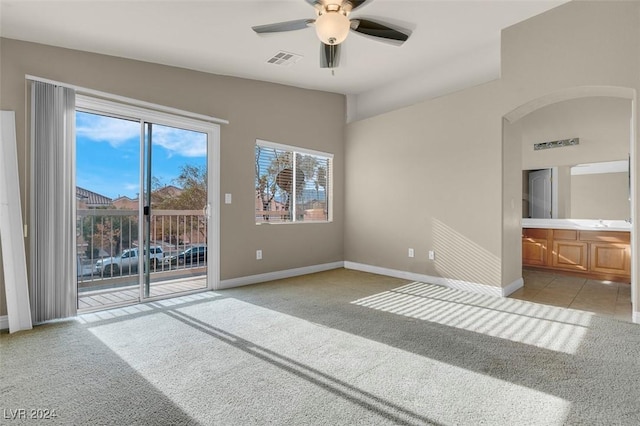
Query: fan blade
{"x":351,"y":5}
{"x":375,"y":29}
{"x":329,"y":55}
{"x":298,"y":24}
{"x":315,"y":3}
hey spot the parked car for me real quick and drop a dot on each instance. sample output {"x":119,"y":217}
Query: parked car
{"x":127,"y":261}
{"x":191,"y":256}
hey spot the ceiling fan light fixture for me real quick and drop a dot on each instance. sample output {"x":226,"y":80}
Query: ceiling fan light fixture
{"x":332,"y":27}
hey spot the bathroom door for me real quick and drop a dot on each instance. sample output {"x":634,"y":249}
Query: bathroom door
{"x":540,"y":194}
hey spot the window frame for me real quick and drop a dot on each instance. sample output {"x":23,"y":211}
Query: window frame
{"x":303,"y":151}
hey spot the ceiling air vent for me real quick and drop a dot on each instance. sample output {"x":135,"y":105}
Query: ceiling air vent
{"x":284,"y":59}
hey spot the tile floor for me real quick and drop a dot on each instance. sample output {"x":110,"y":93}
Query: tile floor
{"x":602,"y":297}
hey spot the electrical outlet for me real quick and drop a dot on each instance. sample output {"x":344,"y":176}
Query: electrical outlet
{"x":411,"y":253}
{"x":227,"y":198}
{"x":432,"y":255}
{"x":258,"y":254}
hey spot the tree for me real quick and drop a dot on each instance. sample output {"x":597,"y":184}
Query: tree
{"x":109,"y":233}
{"x":269,"y":163}
{"x":192,"y":183}
{"x":321,"y":180}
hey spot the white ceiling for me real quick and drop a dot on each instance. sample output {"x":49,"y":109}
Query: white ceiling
{"x":454,"y":44}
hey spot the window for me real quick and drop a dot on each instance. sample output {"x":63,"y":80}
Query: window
{"x":280,"y":169}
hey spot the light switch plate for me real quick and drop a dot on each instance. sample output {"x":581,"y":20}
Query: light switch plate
{"x":227,"y":198}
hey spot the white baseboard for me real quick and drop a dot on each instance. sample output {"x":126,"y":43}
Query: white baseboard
{"x":514,"y":286}
{"x":277,"y":275}
{"x":4,"y":322}
{"x":445,"y":282}
{"x":635,"y":317}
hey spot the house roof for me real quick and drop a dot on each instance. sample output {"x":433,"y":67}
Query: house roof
{"x":92,"y":198}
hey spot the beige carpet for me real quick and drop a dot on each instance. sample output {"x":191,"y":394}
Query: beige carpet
{"x":336,"y":348}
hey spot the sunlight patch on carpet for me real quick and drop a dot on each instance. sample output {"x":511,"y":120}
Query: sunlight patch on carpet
{"x":212,"y":358}
{"x":546,"y":327}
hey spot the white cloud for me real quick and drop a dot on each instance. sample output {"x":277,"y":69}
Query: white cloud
{"x":131,"y":186}
{"x":116,"y":132}
{"x":181,"y":142}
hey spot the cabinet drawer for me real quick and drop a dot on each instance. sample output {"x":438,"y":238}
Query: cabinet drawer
{"x":606,"y":236}
{"x":535,"y":233}
{"x":565,"y":234}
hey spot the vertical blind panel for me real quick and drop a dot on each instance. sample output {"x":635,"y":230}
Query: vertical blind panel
{"x":53,"y":266}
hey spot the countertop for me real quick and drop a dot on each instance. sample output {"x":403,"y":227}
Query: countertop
{"x":580,"y":224}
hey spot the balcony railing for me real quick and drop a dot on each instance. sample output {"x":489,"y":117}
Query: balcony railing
{"x":105,"y":239}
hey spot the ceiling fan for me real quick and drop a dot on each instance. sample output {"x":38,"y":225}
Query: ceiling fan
{"x":332,"y":27}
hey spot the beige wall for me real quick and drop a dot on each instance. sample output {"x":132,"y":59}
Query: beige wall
{"x":254,"y":109}
{"x":563,"y":199}
{"x":511,"y":205}
{"x":601,"y":123}
{"x":429,"y":178}
{"x":445,"y":164}
{"x":600,"y":196}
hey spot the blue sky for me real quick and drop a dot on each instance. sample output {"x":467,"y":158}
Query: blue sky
{"x":108,"y":154}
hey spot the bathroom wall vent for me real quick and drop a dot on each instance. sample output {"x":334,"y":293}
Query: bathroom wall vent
{"x":556,"y":144}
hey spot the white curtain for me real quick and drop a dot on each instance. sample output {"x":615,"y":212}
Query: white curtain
{"x":53,"y":235}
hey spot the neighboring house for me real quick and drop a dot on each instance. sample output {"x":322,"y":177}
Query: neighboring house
{"x":276,"y":209}
{"x":166,"y":192}
{"x":314,"y":209}
{"x":85,"y":200}
{"x":161,"y":232}
{"x":125,"y":203}
{"x":90,"y":200}
{"x":157,"y":196}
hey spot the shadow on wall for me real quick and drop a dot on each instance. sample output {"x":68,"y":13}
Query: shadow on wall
{"x":461,"y":259}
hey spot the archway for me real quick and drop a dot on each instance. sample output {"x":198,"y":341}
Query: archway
{"x":512,"y":178}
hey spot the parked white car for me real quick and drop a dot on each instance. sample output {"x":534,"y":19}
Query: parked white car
{"x":127,"y":261}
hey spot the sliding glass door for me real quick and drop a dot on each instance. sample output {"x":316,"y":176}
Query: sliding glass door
{"x":107,"y":218}
{"x":144,"y":205}
{"x":175,"y":210}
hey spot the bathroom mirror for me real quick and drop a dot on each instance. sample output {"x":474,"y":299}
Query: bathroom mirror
{"x":582,"y":191}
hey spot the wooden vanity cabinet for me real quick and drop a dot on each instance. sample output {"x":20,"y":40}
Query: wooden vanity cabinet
{"x":568,"y":252}
{"x":610,"y":252}
{"x":534,"y":246}
{"x":594,"y":254}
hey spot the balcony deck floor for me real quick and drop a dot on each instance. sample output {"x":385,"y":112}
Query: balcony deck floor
{"x":93,"y":300}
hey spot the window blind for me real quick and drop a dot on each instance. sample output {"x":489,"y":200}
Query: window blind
{"x":53,"y":265}
{"x":292,"y":184}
